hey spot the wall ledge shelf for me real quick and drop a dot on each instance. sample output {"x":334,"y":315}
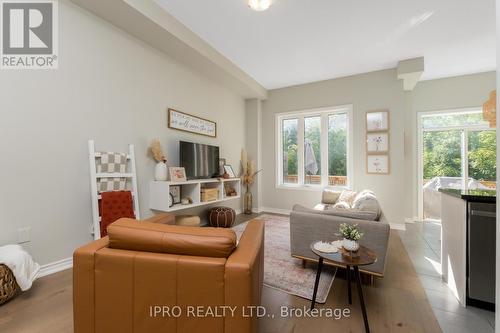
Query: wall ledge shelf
{"x":159,"y":193}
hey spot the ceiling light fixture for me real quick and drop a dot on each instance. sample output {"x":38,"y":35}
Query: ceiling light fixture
{"x":259,"y":5}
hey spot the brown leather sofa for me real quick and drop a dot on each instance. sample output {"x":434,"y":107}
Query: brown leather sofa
{"x":121,"y":282}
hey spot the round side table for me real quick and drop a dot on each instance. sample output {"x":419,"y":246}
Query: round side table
{"x":362,"y":257}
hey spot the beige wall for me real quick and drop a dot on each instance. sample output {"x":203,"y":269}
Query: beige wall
{"x":377,"y":90}
{"x":371,"y":91}
{"x":109,"y":87}
{"x":444,"y":94}
{"x":253,"y":144}
{"x":455,"y":92}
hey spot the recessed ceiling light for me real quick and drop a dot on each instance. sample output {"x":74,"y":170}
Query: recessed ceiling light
{"x":259,"y":5}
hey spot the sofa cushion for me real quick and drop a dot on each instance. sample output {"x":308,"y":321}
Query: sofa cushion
{"x":129,"y":234}
{"x":321,"y":206}
{"x":341,"y":205}
{"x":347,"y":196}
{"x":353,"y":214}
{"x":348,"y":213}
{"x":330,"y":197}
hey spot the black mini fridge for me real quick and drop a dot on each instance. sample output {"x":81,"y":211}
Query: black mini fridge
{"x":481,"y":245}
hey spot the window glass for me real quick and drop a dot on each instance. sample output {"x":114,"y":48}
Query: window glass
{"x":321,"y":139}
{"x":482,"y":157}
{"x":289,"y":149}
{"x":312,"y":150}
{"x":453,"y":119}
{"x":337,"y":149}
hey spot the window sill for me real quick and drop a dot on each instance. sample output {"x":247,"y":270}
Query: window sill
{"x":309,"y":188}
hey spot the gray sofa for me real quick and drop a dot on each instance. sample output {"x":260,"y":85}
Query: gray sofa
{"x":309,"y":225}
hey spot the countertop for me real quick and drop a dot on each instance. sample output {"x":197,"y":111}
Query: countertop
{"x":488,"y":196}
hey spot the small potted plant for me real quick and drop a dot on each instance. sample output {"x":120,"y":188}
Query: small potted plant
{"x":352,"y":235}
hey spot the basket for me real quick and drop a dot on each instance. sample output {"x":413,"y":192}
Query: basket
{"x":209,"y":194}
{"x":8,"y":285}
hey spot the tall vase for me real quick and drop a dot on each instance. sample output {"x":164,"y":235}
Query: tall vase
{"x":248,"y":202}
{"x":161,"y":171}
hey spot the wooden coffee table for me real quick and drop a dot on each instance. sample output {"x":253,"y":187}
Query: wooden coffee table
{"x":363,"y":256}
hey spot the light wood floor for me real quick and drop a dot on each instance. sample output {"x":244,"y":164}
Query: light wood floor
{"x":396,"y":303}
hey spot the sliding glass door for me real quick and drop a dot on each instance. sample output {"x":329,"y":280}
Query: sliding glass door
{"x":457,"y":150}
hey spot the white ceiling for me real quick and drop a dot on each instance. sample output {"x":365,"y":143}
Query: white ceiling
{"x":301,"y":41}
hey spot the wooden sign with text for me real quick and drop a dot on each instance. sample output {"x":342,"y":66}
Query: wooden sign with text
{"x":188,"y":123}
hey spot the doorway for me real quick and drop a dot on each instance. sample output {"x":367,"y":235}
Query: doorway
{"x":456,"y":150}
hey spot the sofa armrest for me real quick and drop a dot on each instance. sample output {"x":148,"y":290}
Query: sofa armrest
{"x":83,"y":285}
{"x":306,"y":228}
{"x":244,"y":277}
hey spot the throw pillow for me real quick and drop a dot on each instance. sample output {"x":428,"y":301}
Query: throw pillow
{"x":366,"y":201}
{"x":329,"y":196}
{"x":347,"y":196}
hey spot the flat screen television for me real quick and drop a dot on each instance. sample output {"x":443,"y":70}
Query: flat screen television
{"x":199,"y":160}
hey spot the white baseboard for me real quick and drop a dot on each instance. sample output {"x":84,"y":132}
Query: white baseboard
{"x":397,"y":226}
{"x":411,"y":219}
{"x":55,"y":267}
{"x":275,"y":210}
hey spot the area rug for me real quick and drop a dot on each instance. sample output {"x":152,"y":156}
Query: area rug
{"x":281,"y":271}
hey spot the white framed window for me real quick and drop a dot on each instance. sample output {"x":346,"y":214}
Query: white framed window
{"x":314,"y":148}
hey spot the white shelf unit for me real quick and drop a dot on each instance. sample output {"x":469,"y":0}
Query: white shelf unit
{"x":159,"y":193}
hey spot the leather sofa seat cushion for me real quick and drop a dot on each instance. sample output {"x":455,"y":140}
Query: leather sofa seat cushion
{"x":129,"y":234}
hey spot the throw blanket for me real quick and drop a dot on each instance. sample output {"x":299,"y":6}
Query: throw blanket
{"x":111,"y":163}
{"x":115,"y":205}
{"x":21,"y":264}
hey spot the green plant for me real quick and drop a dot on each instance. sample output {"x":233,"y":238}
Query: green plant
{"x":350,"y":231}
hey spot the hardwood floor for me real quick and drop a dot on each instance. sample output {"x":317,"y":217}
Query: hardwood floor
{"x":396,"y":303}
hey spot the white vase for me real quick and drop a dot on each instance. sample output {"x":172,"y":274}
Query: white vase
{"x":350,"y":245}
{"x":161,"y":171}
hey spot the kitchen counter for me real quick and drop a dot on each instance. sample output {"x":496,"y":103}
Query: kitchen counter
{"x":488,"y":196}
{"x":468,"y":240}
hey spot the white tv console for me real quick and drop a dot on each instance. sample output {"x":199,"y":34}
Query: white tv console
{"x":159,"y":192}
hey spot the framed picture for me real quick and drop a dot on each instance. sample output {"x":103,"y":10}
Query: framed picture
{"x":177,"y":174}
{"x":229,"y":170}
{"x":377,"y":142}
{"x":188,"y":123}
{"x":175,"y":192}
{"x":222,"y":162}
{"x":377,"y":164}
{"x":377,"y":121}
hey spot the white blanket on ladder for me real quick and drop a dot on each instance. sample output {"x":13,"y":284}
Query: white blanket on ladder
{"x":21,"y":264}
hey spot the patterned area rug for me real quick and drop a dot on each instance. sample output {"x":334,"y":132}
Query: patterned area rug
{"x":283,"y":272}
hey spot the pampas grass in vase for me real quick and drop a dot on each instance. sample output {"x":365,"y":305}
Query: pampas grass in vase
{"x":161,"y":173}
{"x":248,"y":175}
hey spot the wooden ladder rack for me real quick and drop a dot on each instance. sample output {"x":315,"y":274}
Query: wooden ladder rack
{"x":131,"y":177}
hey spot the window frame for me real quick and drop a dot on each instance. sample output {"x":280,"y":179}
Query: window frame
{"x":324,"y":113}
{"x":420,"y":146}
